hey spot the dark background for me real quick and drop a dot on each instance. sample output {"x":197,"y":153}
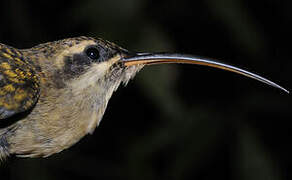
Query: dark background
{"x":173,"y":121}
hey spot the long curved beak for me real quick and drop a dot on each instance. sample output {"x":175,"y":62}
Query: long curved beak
{"x":162,"y":58}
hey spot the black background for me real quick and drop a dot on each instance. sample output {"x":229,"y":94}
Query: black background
{"x":173,"y":121}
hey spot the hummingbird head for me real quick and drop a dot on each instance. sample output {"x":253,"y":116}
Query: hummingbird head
{"x":82,"y":62}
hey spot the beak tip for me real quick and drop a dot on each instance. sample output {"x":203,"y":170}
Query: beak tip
{"x":283,"y":89}
{"x":286,"y":91}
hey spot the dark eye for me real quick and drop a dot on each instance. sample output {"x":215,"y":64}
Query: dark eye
{"x":92,"y":53}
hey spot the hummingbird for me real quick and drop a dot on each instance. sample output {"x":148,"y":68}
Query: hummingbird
{"x":53,"y":94}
